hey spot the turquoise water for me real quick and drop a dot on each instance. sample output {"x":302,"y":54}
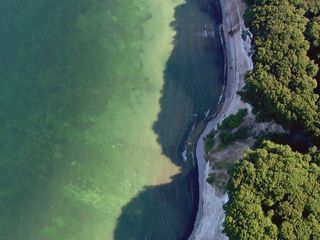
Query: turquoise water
{"x":96,"y":99}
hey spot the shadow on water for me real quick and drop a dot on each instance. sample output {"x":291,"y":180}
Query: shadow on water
{"x":193,"y":82}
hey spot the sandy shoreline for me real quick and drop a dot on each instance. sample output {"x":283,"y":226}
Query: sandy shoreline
{"x":208,"y":224}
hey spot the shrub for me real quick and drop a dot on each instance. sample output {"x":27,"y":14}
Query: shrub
{"x":226,"y":138}
{"x":210,"y":179}
{"x":234,"y":120}
{"x":209,"y":141}
{"x":242,"y":133}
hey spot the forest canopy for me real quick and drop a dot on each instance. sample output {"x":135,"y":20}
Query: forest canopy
{"x":274,"y":194}
{"x":282,"y":85}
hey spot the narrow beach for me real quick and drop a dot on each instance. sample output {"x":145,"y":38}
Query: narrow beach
{"x":210,"y":216}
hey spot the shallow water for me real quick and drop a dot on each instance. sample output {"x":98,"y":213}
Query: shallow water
{"x":96,"y":99}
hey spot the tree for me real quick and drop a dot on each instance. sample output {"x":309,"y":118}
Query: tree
{"x":313,"y":31}
{"x":274,"y":194}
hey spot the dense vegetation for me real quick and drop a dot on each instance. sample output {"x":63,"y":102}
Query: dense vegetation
{"x":227,"y":137}
{"x":234,"y":120}
{"x":274,"y":191}
{"x":209,"y":141}
{"x":228,"y":132}
{"x":228,"y":126}
{"x":274,"y":194}
{"x":282,"y":85}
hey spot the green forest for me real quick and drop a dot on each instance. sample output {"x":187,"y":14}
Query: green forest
{"x":282,"y":85}
{"x":274,"y":192}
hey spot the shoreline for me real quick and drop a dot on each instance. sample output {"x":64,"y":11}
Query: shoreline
{"x":210,"y":215}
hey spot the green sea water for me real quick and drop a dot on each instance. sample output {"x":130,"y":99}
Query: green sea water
{"x":96,"y":98}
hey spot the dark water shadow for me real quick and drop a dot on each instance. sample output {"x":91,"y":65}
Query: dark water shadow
{"x":193,"y":82}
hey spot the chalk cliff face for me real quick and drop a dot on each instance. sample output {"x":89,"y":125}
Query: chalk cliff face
{"x":238,"y":61}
